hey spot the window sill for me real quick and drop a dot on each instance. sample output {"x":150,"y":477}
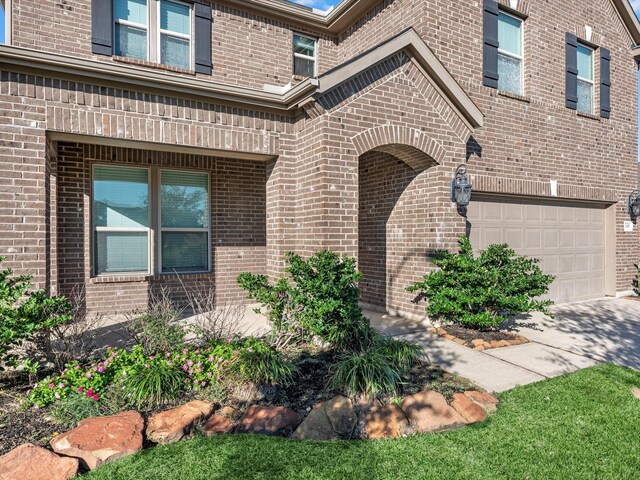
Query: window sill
{"x":590,"y":116}
{"x":157,"y":66}
{"x":147,"y":277}
{"x":514,"y":96}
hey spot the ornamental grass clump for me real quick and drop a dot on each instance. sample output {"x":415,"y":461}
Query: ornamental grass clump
{"x":153,"y":385}
{"x":482,"y":292}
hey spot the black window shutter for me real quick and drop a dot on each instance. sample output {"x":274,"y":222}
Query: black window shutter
{"x":490,"y":55}
{"x":203,"y":38}
{"x":605,"y":83}
{"x":572,"y":72}
{"x":102,"y":27}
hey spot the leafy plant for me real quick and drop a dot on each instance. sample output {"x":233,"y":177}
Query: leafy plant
{"x":69,"y":411}
{"x":158,"y":328}
{"x":368,"y":372}
{"x":25,"y":314}
{"x":153,"y":385}
{"x":260,"y":363}
{"x":319,"y":299}
{"x":481,"y":292}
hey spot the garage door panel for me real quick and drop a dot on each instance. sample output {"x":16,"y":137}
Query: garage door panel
{"x":568,"y":239}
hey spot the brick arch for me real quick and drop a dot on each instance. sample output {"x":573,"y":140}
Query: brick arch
{"x":412,"y":146}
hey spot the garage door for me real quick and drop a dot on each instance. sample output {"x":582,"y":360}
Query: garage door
{"x":569,"y":240}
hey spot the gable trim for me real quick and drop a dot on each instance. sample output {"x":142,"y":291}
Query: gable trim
{"x":410,"y":42}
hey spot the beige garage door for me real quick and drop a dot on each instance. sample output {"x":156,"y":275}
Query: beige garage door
{"x":569,"y":240}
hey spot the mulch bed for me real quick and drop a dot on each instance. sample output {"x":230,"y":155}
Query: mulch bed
{"x":479,"y":340}
{"x":19,"y":425}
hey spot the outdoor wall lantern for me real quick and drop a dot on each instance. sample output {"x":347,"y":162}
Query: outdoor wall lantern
{"x":634,"y":204}
{"x":461,"y":188}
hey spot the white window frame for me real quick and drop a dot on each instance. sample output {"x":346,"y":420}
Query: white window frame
{"x":513,"y":55}
{"x":174,"y":34}
{"x":95,"y":229}
{"x":586,"y":80}
{"x":303,"y":56}
{"x":140,"y":26}
{"x":6,"y":6}
{"x":162,"y":229}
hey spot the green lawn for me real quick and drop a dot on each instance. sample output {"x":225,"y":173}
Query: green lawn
{"x":584,"y":425}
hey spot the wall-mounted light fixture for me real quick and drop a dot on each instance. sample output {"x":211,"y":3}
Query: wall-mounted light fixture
{"x":634,"y":204}
{"x":461,"y":188}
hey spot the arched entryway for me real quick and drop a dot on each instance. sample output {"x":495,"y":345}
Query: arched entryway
{"x":392,"y":205}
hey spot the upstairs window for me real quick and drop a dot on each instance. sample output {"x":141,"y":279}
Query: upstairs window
{"x":304,"y":56}
{"x":586,"y":84}
{"x":155,"y":30}
{"x":510,"y":57}
{"x":131,"y":35}
{"x":175,"y":34}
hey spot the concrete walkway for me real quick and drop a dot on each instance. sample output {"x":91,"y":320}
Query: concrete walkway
{"x":581,"y":335}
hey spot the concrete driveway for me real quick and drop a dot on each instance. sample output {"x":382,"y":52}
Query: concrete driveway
{"x":581,"y":335}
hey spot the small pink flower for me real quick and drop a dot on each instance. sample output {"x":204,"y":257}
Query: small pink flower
{"x":152,"y":357}
{"x":77,"y":367}
{"x":104,"y":409}
{"x":147,"y":365}
{"x":57,"y":395}
{"x":190,"y":372}
{"x":199,"y":364}
{"x":169,"y":362}
{"x":89,"y":393}
{"x":211,"y":358}
{"x":80,"y":389}
{"x":96,"y":397}
{"x":61,"y":385}
{"x":235,"y":352}
{"x":190,"y":362}
{"x":199,"y":370}
{"x":51,"y":385}
{"x":185,"y":368}
{"x":209,"y":374}
{"x":185,"y":351}
{"x":89,"y":374}
{"x":204,"y":384}
{"x":167,"y":354}
{"x":197,"y":351}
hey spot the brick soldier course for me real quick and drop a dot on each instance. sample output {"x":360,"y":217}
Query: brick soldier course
{"x":358,"y":159}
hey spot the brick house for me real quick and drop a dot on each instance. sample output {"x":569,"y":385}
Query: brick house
{"x":148,"y":143}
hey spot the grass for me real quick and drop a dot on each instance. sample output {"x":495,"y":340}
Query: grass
{"x":582,"y":426}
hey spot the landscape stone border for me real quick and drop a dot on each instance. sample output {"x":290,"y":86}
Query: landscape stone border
{"x":480,"y":344}
{"x":99,"y":440}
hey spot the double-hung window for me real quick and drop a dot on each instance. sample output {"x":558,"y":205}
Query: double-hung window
{"x":131,"y":32}
{"x":510,"y":56}
{"x":304,"y":56}
{"x":159,"y":31}
{"x":184,"y":221}
{"x":586,"y":84}
{"x":120,"y":220}
{"x":175,"y":34}
{"x":123,"y":230}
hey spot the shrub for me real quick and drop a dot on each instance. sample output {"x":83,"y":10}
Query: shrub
{"x":321,"y":300}
{"x":636,"y":281}
{"x":481,"y":292}
{"x":69,"y":341}
{"x":71,"y":410}
{"x":24,"y":314}
{"x":153,"y":385}
{"x":158,"y":328}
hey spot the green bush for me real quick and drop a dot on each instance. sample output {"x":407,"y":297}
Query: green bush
{"x":318,"y":299}
{"x":481,"y":292}
{"x":71,"y":410}
{"x":24,"y":314}
{"x":153,"y":385}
